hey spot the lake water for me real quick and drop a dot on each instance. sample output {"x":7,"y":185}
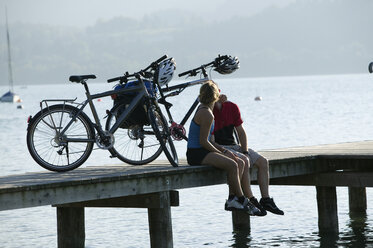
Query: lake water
{"x":294,"y":111}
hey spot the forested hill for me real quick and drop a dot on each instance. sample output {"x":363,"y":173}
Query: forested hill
{"x":303,"y":38}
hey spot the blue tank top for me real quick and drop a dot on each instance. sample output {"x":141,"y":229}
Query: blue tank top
{"x":194,"y":132}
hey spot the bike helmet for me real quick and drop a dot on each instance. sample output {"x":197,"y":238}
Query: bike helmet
{"x":228,"y":65}
{"x":165,"y":71}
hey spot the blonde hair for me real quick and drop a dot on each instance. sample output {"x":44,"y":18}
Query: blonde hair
{"x":208,"y":93}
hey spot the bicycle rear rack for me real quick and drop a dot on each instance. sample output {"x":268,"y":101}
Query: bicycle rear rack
{"x":64,"y":101}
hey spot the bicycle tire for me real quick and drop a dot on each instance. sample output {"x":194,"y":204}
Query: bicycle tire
{"x":162,"y":131}
{"x":136,"y":145}
{"x":42,"y":139}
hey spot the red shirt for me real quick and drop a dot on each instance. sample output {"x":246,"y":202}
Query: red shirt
{"x":226,"y":120}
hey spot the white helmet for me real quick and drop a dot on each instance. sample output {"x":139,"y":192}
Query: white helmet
{"x":228,"y":65}
{"x":165,"y":71}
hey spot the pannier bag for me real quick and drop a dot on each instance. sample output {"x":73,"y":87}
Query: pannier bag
{"x":138,"y":116}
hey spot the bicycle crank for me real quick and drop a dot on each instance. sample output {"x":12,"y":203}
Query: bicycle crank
{"x":105,"y":140}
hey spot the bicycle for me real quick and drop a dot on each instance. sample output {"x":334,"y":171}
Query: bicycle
{"x":222,"y":64}
{"x":61,"y":137}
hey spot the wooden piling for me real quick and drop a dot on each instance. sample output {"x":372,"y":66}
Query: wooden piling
{"x":160,"y":224}
{"x":70,"y":227}
{"x":70,"y":217}
{"x":327,"y":208}
{"x":357,"y":199}
{"x":240,"y":221}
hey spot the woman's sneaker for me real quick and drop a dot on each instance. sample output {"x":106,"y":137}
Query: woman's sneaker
{"x":234,"y":204}
{"x":270,"y":206}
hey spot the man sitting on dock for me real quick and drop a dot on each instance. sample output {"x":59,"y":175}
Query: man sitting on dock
{"x":228,"y":120}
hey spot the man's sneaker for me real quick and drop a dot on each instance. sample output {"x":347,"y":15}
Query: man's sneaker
{"x":262,"y":211}
{"x":270,"y":206}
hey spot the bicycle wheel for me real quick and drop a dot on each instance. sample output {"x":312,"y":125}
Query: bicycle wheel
{"x":163,"y":134}
{"x":49,"y":149}
{"x":136,"y":144}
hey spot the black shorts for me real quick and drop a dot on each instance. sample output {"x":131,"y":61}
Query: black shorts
{"x":195,"y":156}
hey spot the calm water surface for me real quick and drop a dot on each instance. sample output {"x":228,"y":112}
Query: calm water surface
{"x":295,"y":111}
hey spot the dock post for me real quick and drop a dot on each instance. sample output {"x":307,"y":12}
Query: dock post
{"x":160,"y":224}
{"x":357,"y":199}
{"x":70,"y":227}
{"x":327,"y":208}
{"x":240,"y":221}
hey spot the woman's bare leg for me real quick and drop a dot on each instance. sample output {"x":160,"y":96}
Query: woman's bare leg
{"x":230,"y":166}
{"x":245,"y":179}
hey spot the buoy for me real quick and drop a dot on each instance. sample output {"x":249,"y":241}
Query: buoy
{"x":258,"y":98}
{"x":99,"y":100}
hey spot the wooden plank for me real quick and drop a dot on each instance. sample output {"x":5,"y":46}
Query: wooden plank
{"x":104,"y":187}
{"x":151,"y":200}
{"x":352,"y":179}
{"x":47,"y":188}
{"x":105,"y":182}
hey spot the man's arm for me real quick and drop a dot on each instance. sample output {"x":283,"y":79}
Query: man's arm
{"x":242,"y":138}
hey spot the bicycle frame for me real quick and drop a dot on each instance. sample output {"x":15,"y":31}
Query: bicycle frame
{"x":177,"y":89}
{"x":181,"y":87}
{"x":142,"y":91}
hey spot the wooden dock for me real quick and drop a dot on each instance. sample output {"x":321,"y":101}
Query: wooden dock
{"x":155,"y":187}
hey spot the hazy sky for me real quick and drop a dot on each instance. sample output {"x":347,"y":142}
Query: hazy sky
{"x":83,"y":13}
{"x":295,"y":37}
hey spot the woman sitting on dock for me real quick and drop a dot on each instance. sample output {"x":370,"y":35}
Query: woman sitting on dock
{"x":202,"y":150}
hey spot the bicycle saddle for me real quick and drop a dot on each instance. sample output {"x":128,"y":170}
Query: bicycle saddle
{"x":78,"y":79}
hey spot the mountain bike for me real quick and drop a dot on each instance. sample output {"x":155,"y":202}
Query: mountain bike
{"x":60,"y":137}
{"x":132,"y":146}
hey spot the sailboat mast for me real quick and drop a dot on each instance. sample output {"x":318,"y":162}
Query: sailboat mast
{"x":10,"y":73}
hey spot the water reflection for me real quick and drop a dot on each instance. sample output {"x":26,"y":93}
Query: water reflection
{"x":357,"y":236}
{"x":328,"y":240}
{"x":241,"y":238}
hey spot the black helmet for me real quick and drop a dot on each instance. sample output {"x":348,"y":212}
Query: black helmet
{"x":228,"y":65}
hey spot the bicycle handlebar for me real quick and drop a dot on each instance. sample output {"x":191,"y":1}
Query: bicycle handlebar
{"x":191,"y":72}
{"x":214,"y":63}
{"x":155,"y":63}
{"x":143,"y":72}
{"x":113,"y":79}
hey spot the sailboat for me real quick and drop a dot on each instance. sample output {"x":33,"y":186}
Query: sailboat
{"x":10,"y":96}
